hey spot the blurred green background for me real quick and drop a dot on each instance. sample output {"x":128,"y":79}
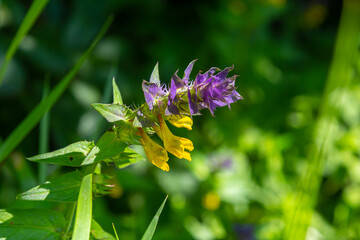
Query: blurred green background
{"x":247,"y":162}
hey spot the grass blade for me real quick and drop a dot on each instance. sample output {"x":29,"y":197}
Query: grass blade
{"x":35,"y":9}
{"x":34,"y":117}
{"x":84,"y":210}
{"x":116,"y":235}
{"x":339,"y":77}
{"x":44,"y":134}
{"x":152,"y":226}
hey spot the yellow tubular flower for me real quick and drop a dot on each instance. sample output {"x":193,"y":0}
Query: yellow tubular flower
{"x":173,"y":144}
{"x":156,"y":154}
{"x":181,"y":121}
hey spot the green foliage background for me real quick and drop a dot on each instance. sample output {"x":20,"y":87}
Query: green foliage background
{"x":251,"y":159}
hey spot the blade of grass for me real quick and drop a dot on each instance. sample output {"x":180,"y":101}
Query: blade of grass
{"x":35,"y":9}
{"x":84,"y":210}
{"x":116,"y":235}
{"x":152,"y":226}
{"x":44,"y":134}
{"x":34,"y":117}
{"x":339,"y":77}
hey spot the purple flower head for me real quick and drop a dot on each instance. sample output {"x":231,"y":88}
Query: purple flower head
{"x":152,"y":92}
{"x":209,"y":90}
{"x":216,"y":90}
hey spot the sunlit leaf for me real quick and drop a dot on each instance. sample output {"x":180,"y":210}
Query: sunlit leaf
{"x":62,"y":189}
{"x":72,"y":155}
{"x":116,"y":93}
{"x":112,"y":112}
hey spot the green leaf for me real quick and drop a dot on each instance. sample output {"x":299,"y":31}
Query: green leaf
{"x":97,"y":232}
{"x":72,"y":155}
{"x":152,"y":226}
{"x":154,"y":78}
{"x":129,"y":156}
{"x":31,"y":224}
{"x":116,"y":93}
{"x":110,"y":146}
{"x":35,"y":9}
{"x":62,"y":189}
{"x":84,"y":210}
{"x":90,"y":158}
{"x":34,"y":117}
{"x":125,"y":132}
{"x":112,"y":112}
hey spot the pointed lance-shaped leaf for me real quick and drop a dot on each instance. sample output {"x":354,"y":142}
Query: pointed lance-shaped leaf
{"x":112,"y":112}
{"x":72,"y":155}
{"x":116,"y":93}
{"x":152,"y":226}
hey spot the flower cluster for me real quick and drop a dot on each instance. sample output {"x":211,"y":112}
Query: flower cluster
{"x":178,"y":103}
{"x":209,"y":90}
{"x":175,"y":104}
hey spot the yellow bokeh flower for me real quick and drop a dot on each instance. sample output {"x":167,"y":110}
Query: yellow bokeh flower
{"x":180,"y":121}
{"x":156,"y":154}
{"x":173,"y":144}
{"x":211,"y":201}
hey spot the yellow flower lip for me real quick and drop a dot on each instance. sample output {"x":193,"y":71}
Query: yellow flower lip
{"x":181,"y":121}
{"x":173,"y":144}
{"x":156,"y":154}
